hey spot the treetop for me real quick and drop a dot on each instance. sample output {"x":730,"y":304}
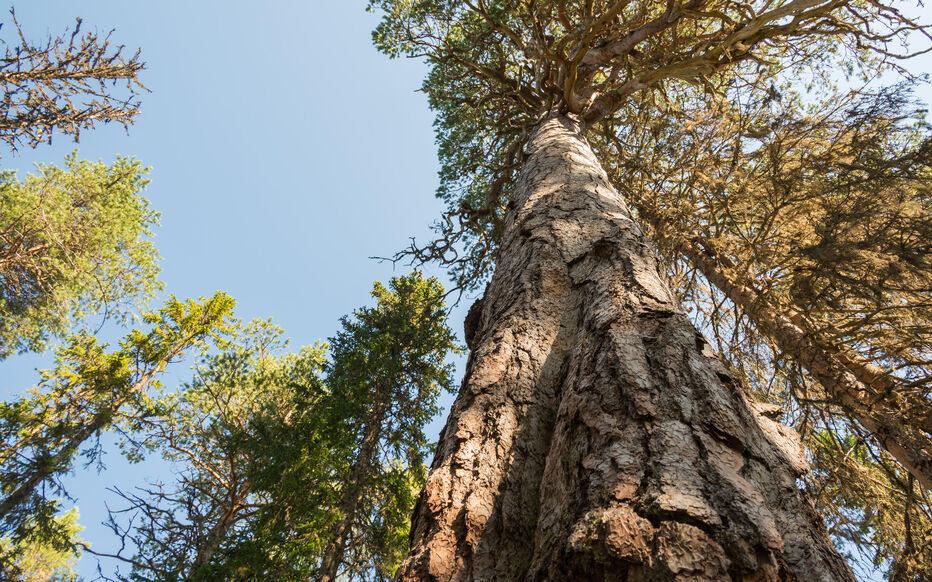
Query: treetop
{"x":498,"y":66}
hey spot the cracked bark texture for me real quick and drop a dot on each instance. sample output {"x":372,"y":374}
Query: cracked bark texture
{"x":596,"y":436}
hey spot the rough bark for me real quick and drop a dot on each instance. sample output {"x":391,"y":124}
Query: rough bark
{"x":596,"y":436}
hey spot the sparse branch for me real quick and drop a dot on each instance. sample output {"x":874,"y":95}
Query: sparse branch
{"x":65,"y":84}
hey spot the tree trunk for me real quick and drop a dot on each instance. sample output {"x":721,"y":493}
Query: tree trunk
{"x":596,"y":435}
{"x":230,"y":515}
{"x":350,"y":502}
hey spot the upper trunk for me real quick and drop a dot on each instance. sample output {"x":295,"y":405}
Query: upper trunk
{"x":230,"y":514}
{"x":349,"y":502}
{"x":596,"y":436}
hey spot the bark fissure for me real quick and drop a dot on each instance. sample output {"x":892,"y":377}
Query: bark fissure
{"x":609,"y":443}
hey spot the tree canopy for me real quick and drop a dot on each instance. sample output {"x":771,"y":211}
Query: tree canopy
{"x":498,"y":66}
{"x":294,"y":465}
{"x":74,"y":242}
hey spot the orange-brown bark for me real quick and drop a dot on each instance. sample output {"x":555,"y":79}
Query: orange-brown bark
{"x":596,"y":436}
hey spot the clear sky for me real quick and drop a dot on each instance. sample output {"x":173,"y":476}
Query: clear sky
{"x":285,"y":150}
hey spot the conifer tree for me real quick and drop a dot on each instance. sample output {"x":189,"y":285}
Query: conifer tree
{"x":248,"y":424}
{"x":388,"y":369}
{"x":72,"y":240}
{"x":296,"y":466}
{"x":596,"y":433}
{"x":35,"y":559}
{"x":73,"y":243}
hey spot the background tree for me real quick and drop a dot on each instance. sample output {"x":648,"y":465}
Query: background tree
{"x":388,"y":369}
{"x":90,"y":390}
{"x":35,"y":559}
{"x":517,"y":86}
{"x":231,"y":433}
{"x":73,"y":242}
{"x":290,"y":474}
{"x":65,"y":84}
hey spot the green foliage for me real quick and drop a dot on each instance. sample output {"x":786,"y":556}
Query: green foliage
{"x":392,"y":355}
{"x":274,"y":450}
{"x":91,"y":389}
{"x":34,"y":559}
{"x":246,"y":424}
{"x":499,"y":66}
{"x":388,"y":369}
{"x":73,"y":243}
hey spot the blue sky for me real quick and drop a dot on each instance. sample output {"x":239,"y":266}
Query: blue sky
{"x":285,"y":150}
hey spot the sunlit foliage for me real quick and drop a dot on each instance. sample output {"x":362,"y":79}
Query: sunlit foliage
{"x":91,"y":389}
{"x":74,"y":242}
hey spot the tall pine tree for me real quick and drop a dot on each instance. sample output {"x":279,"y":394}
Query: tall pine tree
{"x":596,"y":434}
